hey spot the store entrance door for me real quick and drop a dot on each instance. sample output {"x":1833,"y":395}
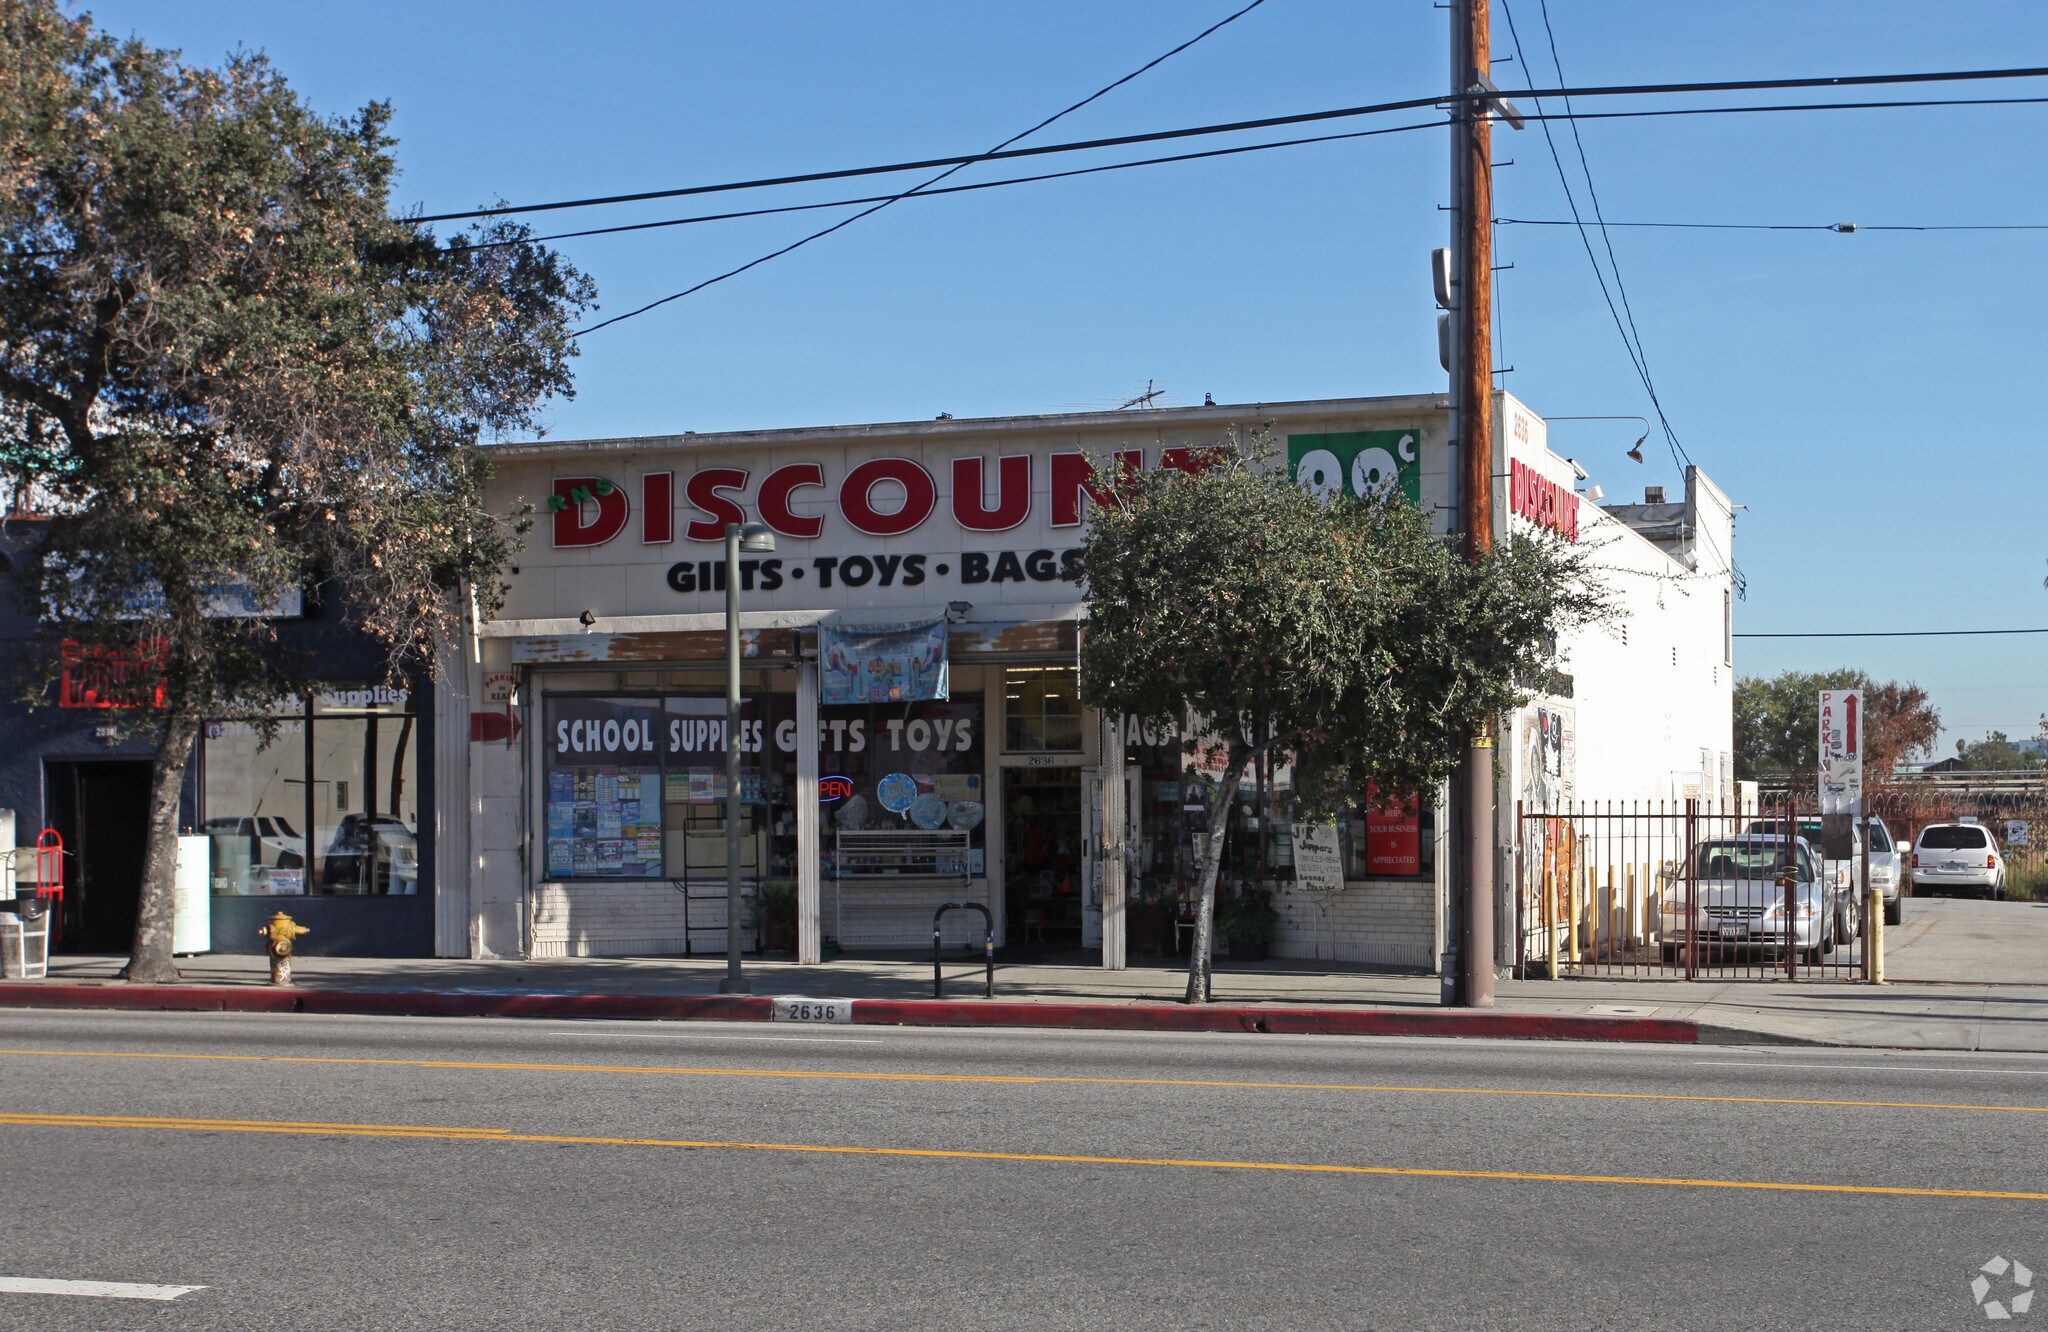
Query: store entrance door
{"x":101,"y":809}
{"x":1044,"y":873}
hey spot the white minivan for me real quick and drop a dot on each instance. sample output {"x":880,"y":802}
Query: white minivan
{"x":1958,"y":855}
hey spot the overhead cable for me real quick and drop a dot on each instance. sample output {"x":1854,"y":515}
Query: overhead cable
{"x":1844,"y":228}
{"x":1900,"y":633}
{"x":1630,"y":340}
{"x":950,"y":170}
{"x":964,"y":189}
{"x":1268,"y":122}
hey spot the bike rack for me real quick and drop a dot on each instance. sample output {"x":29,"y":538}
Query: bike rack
{"x":50,"y":877}
{"x":988,"y":946}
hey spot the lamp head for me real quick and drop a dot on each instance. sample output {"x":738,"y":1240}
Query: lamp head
{"x":757,"y":539}
{"x":1635,"y":450}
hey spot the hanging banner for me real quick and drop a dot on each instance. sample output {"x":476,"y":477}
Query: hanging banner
{"x":882,"y":663}
{"x":1841,"y":751}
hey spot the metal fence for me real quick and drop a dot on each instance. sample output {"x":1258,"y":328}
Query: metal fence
{"x":1686,"y":890}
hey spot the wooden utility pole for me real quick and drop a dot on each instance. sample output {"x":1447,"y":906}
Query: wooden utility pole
{"x":1472,"y":397}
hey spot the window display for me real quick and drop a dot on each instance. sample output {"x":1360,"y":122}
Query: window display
{"x":604,"y":788}
{"x":905,"y":765}
{"x":636,"y":786}
{"x":694,"y":786}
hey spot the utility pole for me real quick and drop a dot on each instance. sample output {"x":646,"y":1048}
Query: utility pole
{"x":1472,"y":403}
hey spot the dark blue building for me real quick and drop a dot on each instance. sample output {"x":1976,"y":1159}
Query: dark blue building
{"x":328,"y":816}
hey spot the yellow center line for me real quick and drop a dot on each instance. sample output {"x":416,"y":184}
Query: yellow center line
{"x":460,"y":1134}
{"x":1023,"y":1079}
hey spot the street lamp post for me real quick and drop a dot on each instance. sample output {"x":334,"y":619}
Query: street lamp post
{"x":755,"y":539}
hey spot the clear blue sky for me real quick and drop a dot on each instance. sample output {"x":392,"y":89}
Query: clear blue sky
{"x":1870,"y":398}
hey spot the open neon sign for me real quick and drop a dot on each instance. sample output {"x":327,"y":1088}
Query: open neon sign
{"x":834,"y":788}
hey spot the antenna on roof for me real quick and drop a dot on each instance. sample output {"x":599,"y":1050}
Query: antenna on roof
{"x":1145,"y":399}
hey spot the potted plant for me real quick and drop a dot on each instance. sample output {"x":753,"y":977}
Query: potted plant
{"x":1151,"y":925}
{"x":1248,"y":922}
{"x":774,"y":916}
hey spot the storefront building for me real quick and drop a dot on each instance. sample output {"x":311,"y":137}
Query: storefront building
{"x":912,"y":730}
{"x":314,"y":809}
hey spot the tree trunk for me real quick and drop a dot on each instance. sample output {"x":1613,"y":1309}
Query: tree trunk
{"x":1212,"y":861}
{"x":151,"y":963}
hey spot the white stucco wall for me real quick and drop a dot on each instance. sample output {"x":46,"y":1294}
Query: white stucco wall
{"x":1646,"y":712}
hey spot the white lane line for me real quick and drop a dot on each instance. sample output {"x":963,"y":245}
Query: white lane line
{"x":1872,"y":1068}
{"x":105,"y":1290}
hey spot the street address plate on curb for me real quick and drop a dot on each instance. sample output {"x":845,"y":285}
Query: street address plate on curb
{"x":812,"y":1010}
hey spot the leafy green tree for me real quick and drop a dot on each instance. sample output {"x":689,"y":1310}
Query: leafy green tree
{"x":1777,"y":723}
{"x":223,"y":363}
{"x":1349,"y":638}
{"x":1996,"y":752}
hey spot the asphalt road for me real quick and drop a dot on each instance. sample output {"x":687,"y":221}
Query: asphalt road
{"x":326,"y":1173}
{"x":1970,"y":940}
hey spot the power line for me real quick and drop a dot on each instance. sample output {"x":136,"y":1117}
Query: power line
{"x":1268,"y":122}
{"x":1901,"y":633}
{"x":877,"y":207}
{"x":1844,"y":228}
{"x":1679,"y":455}
{"x":963,"y":189}
{"x":1631,"y":340}
{"x":1613,"y":264}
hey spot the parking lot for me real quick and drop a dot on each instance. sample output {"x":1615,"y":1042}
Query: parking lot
{"x":1967,"y":940}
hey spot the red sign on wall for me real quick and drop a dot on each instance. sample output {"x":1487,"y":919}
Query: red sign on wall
{"x":103,"y":678}
{"x":1393,"y":839}
{"x":1544,"y":502}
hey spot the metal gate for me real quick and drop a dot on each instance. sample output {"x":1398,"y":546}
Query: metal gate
{"x":1688,"y":890}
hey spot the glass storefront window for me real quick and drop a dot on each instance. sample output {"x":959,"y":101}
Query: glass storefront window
{"x":364,"y":806}
{"x":604,"y":788}
{"x":328,"y":806}
{"x":636,"y":786}
{"x":254,"y":798}
{"x":1041,"y":709}
{"x":904,"y":765}
{"x":694,"y":788}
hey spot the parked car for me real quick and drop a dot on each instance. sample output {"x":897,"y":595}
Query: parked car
{"x":1888,"y":871}
{"x":1738,"y":901}
{"x":1843,"y":877}
{"x":1958,"y":855}
{"x":272,"y":840}
{"x":371,"y":854}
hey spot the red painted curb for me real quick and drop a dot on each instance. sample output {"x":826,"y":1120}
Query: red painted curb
{"x":878,"y":1012}
{"x":1287,"y":1021}
{"x":175,"y":998}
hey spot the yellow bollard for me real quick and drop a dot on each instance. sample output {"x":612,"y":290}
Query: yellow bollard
{"x":1616,"y":917}
{"x":1550,"y":921}
{"x":279,"y":934}
{"x":1873,"y":938}
{"x":1571,"y":915}
{"x":1635,"y":908}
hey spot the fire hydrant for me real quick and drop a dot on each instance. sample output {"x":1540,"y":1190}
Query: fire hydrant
{"x":280,"y":933}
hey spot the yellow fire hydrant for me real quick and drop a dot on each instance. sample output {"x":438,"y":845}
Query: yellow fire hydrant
{"x":280,"y":933}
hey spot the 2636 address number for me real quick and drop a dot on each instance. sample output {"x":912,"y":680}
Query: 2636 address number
{"x":812,"y":1010}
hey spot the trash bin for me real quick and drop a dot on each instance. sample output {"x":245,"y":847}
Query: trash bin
{"x":24,"y":939}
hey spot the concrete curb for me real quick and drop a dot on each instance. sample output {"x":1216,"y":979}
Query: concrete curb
{"x":878,"y":1012}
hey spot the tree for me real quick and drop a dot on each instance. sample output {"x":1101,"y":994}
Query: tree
{"x":1777,"y":723}
{"x":227,"y":366}
{"x":1349,"y":638}
{"x":1996,"y":752}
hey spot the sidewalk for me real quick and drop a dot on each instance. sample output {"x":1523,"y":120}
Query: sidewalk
{"x":1270,"y":996}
